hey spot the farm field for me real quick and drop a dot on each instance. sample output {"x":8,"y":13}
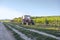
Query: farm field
{"x":29,"y":19}
{"x":45,"y":28}
{"x":40,"y":28}
{"x":51,"y":33}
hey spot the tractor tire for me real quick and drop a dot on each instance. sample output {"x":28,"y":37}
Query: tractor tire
{"x":28,"y":23}
{"x":32,"y":22}
{"x":24,"y":23}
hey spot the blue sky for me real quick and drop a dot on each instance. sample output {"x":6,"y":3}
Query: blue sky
{"x":16,"y":8}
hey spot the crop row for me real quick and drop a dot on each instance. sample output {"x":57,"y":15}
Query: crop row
{"x":17,"y":36}
{"x":33,"y":35}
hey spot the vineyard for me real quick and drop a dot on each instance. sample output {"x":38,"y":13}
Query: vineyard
{"x":29,"y":19}
{"x":42,"y":20}
{"x":45,"y":28}
{"x":38,"y":34}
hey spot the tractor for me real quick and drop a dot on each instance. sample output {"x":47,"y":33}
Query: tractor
{"x":26,"y":19}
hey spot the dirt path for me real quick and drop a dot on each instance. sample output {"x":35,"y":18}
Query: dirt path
{"x":5,"y":34}
{"x":42,"y":33}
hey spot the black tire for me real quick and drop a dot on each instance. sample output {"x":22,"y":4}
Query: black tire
{"x":28,"y":23}
{"x":24,"y":23}
{"x":32,"y":22}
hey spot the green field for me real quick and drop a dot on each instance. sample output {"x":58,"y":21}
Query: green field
{"x":50,"y":30}
{"x":47,"y":24}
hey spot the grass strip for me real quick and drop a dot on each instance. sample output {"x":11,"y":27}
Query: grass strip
{"x":49,"y":31}
{"x":33,"y":35}
{"x":14,"y":33}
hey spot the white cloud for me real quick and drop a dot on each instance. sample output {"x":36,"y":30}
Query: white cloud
{"x":8,"y":13}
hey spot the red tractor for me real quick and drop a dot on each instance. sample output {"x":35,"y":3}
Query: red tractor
{"x":26,"y":19}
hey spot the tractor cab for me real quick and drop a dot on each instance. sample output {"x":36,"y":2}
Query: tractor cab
{"x":26,"y":19}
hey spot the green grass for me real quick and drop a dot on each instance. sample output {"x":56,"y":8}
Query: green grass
{"x":17,"y":37}
{"x":50,"y":30}
{"x":33,"y":34}
{"x":45,"y":28}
